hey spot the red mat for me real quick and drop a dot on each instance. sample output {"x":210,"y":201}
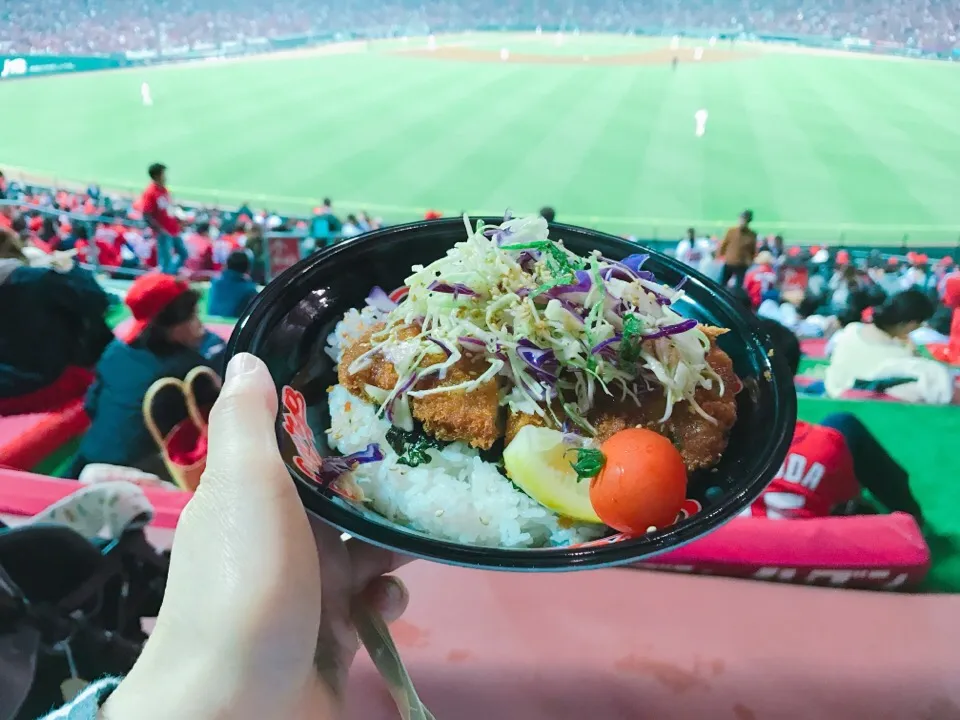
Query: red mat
{"x":815,"y":348}
{"x":25,"y":440}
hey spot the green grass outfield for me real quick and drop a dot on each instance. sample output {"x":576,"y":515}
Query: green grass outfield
{"x":816,"y":145}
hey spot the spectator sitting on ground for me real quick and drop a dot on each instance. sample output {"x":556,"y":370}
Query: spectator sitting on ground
{"x":231,"y":292}
{"x":829,"y":463}
{"x":798,"y":313}
{"x":935,"y":330}
{"x":882,"y":350}
{"x":52,"y":329}
{"x":199,"y":250}
{"x":166,"y":339}
{"x":351,"y":228}
{"x":761,"y":278}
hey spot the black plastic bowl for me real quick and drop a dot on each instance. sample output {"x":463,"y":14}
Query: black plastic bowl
{"x":289,"y":321}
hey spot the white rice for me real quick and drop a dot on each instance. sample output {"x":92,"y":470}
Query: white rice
{"x":456,"y":496}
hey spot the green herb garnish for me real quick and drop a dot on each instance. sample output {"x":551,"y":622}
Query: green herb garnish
{"x":631,"y":336}
{"x":563,"y":268}
{"x":411,"y":446}
{"x":589,"y":463}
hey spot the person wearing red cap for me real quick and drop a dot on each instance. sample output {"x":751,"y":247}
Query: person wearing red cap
{"x":165,"y":339}
{"x":166,"y":228}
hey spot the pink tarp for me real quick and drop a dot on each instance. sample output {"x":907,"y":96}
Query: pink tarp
{"x":628,"y":645}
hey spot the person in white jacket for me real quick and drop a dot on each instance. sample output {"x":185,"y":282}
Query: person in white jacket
{"x":883,"y":350}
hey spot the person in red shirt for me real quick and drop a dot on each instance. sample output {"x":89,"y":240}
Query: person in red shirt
{"x":761,"y":278}
{"x":166,"y":228}
{"x":108,"y":246}
{"x":830,"y":462}
{"x":200,"y":249}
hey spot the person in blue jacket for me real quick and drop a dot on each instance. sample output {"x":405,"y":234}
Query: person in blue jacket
{"x":231,"y":292}
{"x":166,"y":339}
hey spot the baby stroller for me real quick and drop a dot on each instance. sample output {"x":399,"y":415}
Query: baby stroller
{"x":71,"y":606}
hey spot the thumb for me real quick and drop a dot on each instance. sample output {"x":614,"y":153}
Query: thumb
{"x":247,"y":507}
{"x":245,"y":487}
{"x":242,"y":452}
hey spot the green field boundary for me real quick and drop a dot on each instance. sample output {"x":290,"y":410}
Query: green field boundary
{"x":946,"y":233}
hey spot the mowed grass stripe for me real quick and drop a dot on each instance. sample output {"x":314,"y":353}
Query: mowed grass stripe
{"x":801,"y":184}
{"x":552,"y":156}
{"x":926,"y":111}
{"x":347,"y":139}
{"x":446,"y":125}
{"x":734,"y":176}
{"x":486,"y":138}
{"x":877,"y":177}
{"x":664,"y":152}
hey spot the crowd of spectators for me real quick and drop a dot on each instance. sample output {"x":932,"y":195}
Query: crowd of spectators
{"x":875,"y":312}
{"x":115,"y":233}
{"x":103,"y":26}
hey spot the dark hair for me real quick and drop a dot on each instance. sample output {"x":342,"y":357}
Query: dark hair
{"x":907,"y":306}
{"x":691,"y":232}
{"x":849,"y":315}
{"x":747,"y":215}
{"x":155,"y":170}
{"x":154,"y":337}
{"x":203,"y":228}
{"x":352,"y":219}
{"x":48,"y":230}
{"x":808,"y":306}
{"x":80,"y":231}
{"x":548,"y":213}
{"x":327,"y":202}
{"x":941,"y":320}
{"x":783,"y":342}
{"x":239,"y":261}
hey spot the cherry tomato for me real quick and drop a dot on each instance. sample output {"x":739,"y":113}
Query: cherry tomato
{"x":642,"y":483}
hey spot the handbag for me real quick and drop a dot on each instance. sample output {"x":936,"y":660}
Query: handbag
{"x":171,"y":423}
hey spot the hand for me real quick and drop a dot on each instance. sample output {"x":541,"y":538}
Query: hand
{"x":255,"y":622}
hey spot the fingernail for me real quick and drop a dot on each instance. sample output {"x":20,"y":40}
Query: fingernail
{"x":240,"y":365}
{"x":394,"y":592}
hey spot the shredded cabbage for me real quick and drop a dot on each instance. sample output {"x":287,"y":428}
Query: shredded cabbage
{"x":512,"y":296}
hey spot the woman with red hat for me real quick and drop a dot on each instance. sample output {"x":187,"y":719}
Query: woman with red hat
{"x":165,"y":339}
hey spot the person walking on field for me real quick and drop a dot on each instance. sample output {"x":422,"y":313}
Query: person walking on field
{"x":738,"y":248}
{"x":166,"y":228}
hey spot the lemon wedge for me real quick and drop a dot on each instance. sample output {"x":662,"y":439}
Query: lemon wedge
{"x":538,"y":461}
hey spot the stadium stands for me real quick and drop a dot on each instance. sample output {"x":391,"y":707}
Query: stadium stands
{"x":100,"y":26}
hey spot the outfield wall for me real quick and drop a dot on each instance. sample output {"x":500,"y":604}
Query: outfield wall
{"x":20,"y":66}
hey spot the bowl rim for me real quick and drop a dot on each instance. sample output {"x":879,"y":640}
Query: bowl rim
{"x":250,"y":332}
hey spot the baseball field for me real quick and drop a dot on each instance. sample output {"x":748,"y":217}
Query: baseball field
{"x":601,"y":127}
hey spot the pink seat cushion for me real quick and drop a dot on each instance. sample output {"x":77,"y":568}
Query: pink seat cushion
{"x":868,"y":551}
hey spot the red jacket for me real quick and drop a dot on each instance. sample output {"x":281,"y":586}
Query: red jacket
{"x":156,"y":209}
{"x":816,"y":477}
{"x":758,"y":280}
{"x":199,"y":252}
